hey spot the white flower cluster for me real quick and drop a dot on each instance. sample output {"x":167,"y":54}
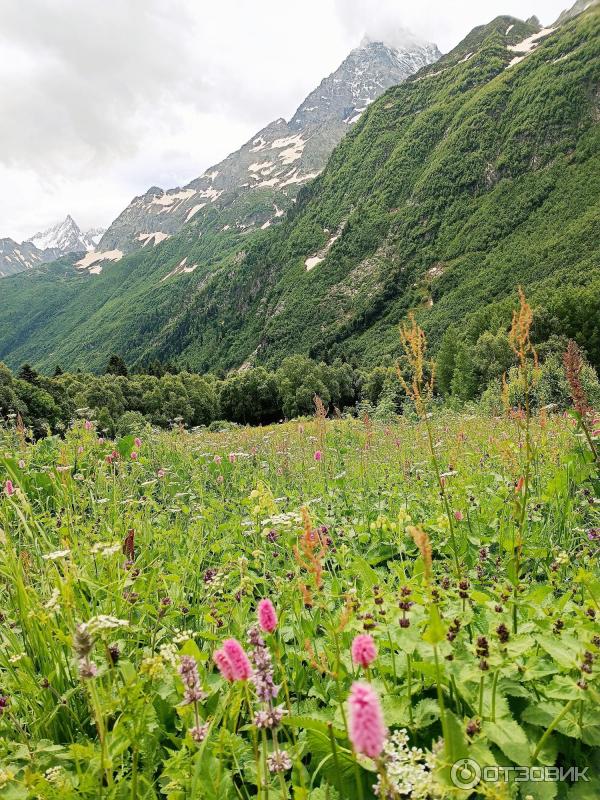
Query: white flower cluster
{"x":103,"y":622}
{"x":56,"y":555}
{"x":105,"y":548}
{"x":169,"y":654}
{"x":408,"y":770}
{"x":181,"y":636}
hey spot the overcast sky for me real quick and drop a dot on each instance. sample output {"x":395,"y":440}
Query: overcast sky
{"x":101,"y":99}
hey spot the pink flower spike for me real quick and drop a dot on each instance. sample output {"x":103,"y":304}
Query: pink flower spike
{"x":88,"y":425}
{"x":137,"y":442}
{"x":267,"y":616}
{"x":458,"y":516}
{"x":367,"y":726}
{"x":232,"y":458}
{"x":9,"y":489}
{"x":364,"y":650}
{"x":217,"y":459}
{"x":134,"y":455}
{"x":238,"y":660}
{"x":318,"y":455}
{"x":223,"y":664}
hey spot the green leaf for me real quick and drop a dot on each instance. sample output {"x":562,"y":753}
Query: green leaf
{"x":563,"y":650}
{"x":455,"y":739}
{"x":539,"y":790}
{"x":435,"y":631}
{"x":125,"y":446}
{"x":511,"y":739}
{"x":310,"y":723}
{"x":365,"y":571}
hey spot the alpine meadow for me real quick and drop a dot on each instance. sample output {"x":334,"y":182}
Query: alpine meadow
{"x":300,"y":459}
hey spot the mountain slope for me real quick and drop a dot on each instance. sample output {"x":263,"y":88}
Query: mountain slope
{"x":479,"y":173}
{"x":277,"y":160}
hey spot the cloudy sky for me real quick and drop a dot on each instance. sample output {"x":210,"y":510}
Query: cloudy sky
{"x":101,"y":99}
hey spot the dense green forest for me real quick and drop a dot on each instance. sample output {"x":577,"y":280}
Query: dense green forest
{"x":471,"y":178}
{"x":121,"y":402}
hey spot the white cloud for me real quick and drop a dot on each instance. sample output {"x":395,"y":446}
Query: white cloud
{"x":102,"y":99}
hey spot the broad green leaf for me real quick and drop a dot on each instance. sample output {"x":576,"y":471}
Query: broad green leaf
{"x":510,"y":738}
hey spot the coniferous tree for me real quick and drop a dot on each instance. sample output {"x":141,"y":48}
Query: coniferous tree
{"x":27,"y":373}
{"x":116,"y":366}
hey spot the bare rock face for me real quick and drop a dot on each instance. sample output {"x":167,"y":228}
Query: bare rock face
{"x":578,"y":8}
{"x":259,"y":181}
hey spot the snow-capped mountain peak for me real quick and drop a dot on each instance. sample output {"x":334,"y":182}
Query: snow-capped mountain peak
{"x":66,"y":237}
{"x":48,"y":245}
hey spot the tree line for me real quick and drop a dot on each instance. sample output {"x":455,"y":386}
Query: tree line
{"x":163,"y":395}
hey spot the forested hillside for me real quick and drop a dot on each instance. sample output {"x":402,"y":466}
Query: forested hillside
{"x":481,"y":173}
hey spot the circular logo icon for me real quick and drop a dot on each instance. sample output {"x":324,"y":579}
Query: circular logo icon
{"x":466,"y":773}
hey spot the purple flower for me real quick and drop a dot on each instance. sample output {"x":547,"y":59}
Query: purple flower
{"x":262,"y":677}
{"x":271,"y":718}
{"x":188,"y":672}
{"x":279,"y":761}
{"x":198,"y":732}
{"x":87,"y":669}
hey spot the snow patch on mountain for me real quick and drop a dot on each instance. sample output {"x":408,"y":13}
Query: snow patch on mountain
{"x":92,"y":259}
{"x":157,"y":237}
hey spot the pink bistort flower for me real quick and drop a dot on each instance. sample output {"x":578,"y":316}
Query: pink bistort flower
{"x":366,"y":723}
{"x":240,"y":663}
{"x":223,"y":664}
{"x":232,"y":661}
{"x":9,"y":489}
{"x":267,"y":616}
{"x":364,"y":650}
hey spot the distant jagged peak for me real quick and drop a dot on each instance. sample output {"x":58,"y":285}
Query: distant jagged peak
{"x":66,"y":237}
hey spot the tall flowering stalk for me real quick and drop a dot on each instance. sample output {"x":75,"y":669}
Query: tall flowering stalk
{"x":520,"y":342}
{"x":194,"y":694}
{"x":420,"y":391}
{"x":310,"y":553}
{"x":573,"y":364}
{"x":269,"y":717}
{"x":434,"y":632}
{"x":83,"y":644}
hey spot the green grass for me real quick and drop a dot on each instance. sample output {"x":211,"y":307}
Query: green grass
{"x":215,"y":523}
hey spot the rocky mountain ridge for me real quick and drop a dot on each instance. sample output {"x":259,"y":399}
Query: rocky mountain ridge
{"x":278,"y":160}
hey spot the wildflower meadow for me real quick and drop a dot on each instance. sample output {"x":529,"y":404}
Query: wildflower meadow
{"x":322,"y":609}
